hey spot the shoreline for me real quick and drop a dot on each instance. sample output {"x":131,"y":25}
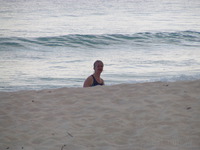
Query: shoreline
{"x":151,"y":115}
{"x":110,"y":85}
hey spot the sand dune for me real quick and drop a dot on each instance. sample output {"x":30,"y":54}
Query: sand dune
{"x":145,"y":116}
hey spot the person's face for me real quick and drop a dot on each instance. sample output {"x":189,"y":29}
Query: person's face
{"x":98,"y":67}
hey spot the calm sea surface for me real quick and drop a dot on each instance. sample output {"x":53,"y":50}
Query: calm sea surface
{"x":53,"y":43}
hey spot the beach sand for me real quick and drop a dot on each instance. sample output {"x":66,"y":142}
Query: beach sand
{"x":143,"y":116}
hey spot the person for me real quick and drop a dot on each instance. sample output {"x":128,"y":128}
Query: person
{"x":95,"y":79}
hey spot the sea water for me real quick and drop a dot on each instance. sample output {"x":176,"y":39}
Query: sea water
{"x":48,"y":44}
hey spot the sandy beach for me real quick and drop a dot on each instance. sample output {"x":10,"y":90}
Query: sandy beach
{"x":143,"y":116}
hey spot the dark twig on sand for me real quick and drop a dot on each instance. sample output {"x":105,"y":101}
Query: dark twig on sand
{"x":63,"y":147}
{"x":69,"y":134}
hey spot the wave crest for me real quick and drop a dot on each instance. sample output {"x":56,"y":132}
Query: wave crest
{"x":186,"y":38}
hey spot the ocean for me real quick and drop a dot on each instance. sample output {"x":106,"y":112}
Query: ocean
{"x":47,"y":44}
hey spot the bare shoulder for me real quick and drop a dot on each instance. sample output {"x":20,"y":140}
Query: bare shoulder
{"x":88,"y":82}
{"x":89,"y":78}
